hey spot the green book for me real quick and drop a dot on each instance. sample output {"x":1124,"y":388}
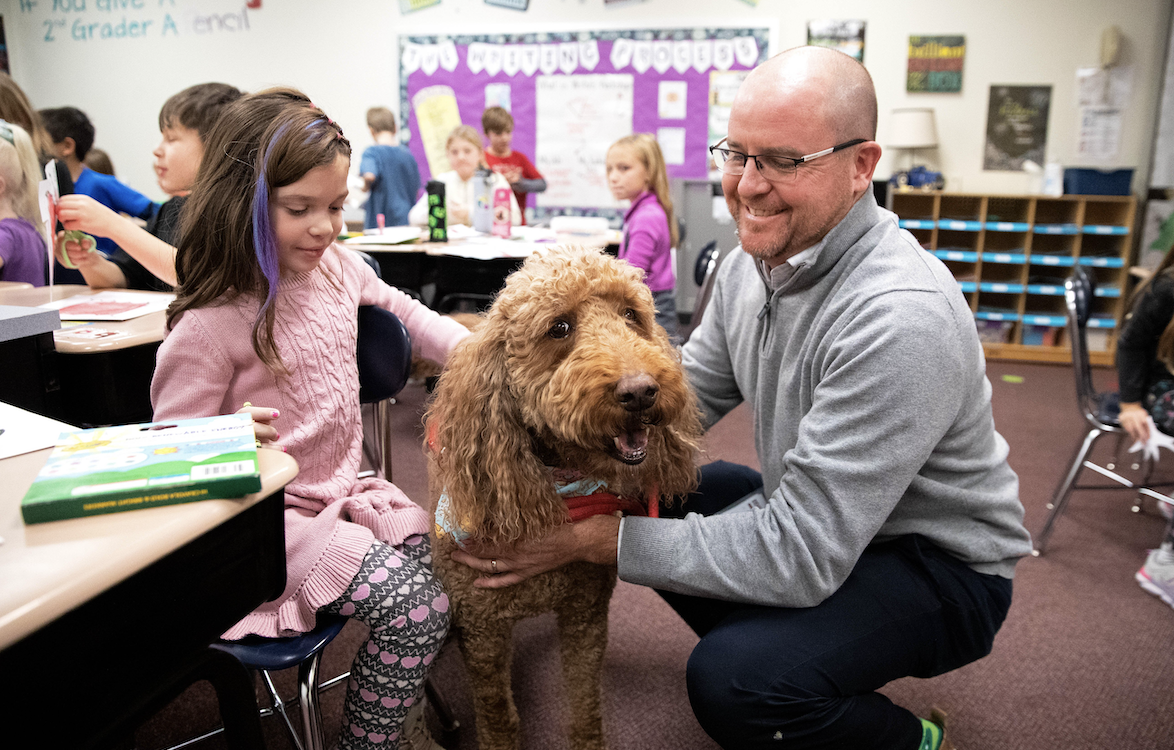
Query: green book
{"x":127,"y":467}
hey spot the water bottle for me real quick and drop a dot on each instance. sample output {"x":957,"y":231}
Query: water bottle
{"x":483,"y":207}
{"x":437,"y":212}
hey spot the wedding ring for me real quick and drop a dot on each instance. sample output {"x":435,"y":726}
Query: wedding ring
{"x":493,"y":564}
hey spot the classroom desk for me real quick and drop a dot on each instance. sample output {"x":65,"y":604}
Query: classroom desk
{"x":416,"y":264}
{"x":105,"y":380}
{"x":103,"y":620}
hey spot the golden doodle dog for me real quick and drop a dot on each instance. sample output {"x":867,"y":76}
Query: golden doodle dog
{"x":568,"y":400}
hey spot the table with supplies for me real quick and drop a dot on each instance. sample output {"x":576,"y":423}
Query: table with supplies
{"x":105,"y":619}
{"x":104,"y":365}
{"x":471,"y":267}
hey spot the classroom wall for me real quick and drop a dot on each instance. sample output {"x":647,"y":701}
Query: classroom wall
{"x":120,"y":59}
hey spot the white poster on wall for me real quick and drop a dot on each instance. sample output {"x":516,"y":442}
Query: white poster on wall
{"x":578,"y":118}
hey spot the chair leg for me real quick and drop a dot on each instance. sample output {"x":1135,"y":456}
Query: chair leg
{"x":383,"y":430}
{"x":448,"y":722}
{"x":280,"y":706}
{"x":1060,"y":499}
{"x":308,"y":697}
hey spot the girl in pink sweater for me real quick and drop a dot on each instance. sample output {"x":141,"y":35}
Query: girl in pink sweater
{"x":266,"y":312}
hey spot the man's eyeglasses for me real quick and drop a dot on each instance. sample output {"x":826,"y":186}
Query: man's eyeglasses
{"x":772,"y":168}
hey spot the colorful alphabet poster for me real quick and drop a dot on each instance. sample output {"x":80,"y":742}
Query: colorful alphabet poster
{"x":935,"y":64}
{"x":1016,"y":127}
{"x":572,"y":94}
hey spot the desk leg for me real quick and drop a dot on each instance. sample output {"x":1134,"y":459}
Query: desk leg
{"x":236,"y":694}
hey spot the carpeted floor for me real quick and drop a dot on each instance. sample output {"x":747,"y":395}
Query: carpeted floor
{"x":1084,"y":661}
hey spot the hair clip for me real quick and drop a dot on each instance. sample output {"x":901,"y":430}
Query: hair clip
{"x":253,"y":152}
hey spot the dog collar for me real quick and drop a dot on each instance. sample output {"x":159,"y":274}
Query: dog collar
{"x":584,"y":498}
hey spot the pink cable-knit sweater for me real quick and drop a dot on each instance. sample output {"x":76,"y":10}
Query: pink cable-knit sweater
{"x":207,"y":366}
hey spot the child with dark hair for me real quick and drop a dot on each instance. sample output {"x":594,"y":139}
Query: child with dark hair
{"x":389,"y":172}
{"x":99,"y":161}
{"x":523,"y":177}
{"x":146,"y":259}
{"x":72,"y":134}
{"x":267,"y":313}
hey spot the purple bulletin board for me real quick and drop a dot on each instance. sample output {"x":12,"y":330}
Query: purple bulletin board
{"x":471,"y":64}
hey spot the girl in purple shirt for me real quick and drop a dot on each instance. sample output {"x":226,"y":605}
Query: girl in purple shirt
{"x":636,"y":173}
{"x":22,"y":251}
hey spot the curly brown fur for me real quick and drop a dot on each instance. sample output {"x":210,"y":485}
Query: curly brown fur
{"x":519,"y":397}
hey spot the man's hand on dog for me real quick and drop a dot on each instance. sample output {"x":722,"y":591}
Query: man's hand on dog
{"x":593,"y":540}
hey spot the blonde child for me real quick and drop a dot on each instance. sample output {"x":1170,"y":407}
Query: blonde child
{"x":465,"y":156}
{"x":22,"y":251}
{"x":636,"y":173}
{"x":266,"y":312}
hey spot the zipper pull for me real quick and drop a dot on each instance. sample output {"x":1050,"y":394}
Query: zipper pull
{"x":765,"y":309}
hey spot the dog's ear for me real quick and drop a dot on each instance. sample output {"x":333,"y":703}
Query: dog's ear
{"x":498,"y":490}
{"x":674,"y":469}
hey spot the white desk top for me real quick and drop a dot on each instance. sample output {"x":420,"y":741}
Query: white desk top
{"x":47,"y":569}
{"x":147,"y":329}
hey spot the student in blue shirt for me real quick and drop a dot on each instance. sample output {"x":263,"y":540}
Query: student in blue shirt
{"x":389,"y":173}
{"x":72,"y":134}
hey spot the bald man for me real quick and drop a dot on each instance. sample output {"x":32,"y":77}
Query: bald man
{"x":891,"y":523}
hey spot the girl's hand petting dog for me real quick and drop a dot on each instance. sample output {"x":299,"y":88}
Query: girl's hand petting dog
{"x":594,"y":540}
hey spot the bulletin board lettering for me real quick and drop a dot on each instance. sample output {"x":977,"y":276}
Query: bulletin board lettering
{"x":572,"y":94}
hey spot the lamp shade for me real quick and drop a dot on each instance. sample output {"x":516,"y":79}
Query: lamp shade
{"x":912,"y":128}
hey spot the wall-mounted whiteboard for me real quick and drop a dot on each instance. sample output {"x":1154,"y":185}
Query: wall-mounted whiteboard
{"x":572,"y":94}
{"x":575,"y":114}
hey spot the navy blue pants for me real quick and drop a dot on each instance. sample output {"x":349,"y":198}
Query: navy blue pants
{"x":773,"y":677}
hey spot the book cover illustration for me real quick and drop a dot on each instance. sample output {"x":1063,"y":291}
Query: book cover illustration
{"x":111,"y":469}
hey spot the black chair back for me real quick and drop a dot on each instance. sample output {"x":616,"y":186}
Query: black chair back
{"x":705,"y":259}
{"x":384,"y":354}
{"x":1079,"y":292}
{"x":370,"y":260}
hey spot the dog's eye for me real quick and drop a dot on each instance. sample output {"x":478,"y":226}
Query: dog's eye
{"x":560,"y":330}
{"x":630,"y":314}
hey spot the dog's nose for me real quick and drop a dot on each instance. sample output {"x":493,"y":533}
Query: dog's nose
{"x":637,"y":392}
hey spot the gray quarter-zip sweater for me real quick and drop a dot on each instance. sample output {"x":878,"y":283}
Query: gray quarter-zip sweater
{"x":872,"y":420}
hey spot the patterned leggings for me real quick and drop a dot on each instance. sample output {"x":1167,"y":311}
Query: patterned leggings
{"x":396,"y":594}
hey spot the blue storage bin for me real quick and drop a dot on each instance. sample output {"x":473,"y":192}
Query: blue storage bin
{"x":1083,"y":181}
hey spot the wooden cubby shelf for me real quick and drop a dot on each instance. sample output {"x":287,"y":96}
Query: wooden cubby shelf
{"x":1011,"y":254}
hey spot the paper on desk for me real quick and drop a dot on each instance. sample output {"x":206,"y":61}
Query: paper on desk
{"x":24,"y":432}
{"x":109,"y":305}
{"x":489,"y":248}
{"x":390,"y":236}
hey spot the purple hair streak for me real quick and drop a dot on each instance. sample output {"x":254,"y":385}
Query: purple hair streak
{"x":264,"y":243}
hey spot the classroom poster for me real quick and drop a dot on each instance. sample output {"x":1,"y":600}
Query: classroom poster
{"x":935,"y":64}
{"x":845,"y":36}
{"x":511,"y":4}
{"x":1016,"y":127}
{"x":723,"y":86}
{"x":436,"y":116}
{"x":620,"y":82}
{"x":410,"y":6}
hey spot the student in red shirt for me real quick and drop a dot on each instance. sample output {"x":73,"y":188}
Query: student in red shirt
{"x":498,"y":125}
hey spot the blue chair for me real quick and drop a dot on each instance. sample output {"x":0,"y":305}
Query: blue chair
{"x":268,"y":655}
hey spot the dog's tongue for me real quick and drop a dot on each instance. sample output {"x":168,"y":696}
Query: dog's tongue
{"x":632,"y":444}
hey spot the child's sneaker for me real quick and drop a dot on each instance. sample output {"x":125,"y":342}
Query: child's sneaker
{"x":1157,"y":576}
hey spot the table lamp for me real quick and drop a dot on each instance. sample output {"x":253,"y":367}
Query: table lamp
{"x":913,"y":128}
